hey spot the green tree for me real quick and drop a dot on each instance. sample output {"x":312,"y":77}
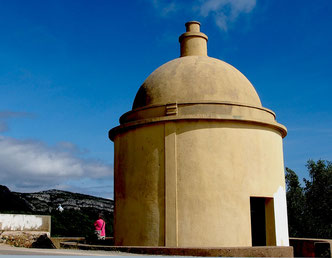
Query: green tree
{"x":310,"y":207}
{"x":295,"y":205}
{"x":318,"y":193}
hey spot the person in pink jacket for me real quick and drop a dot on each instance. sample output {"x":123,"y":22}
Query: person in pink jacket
{"x":100,"y":228}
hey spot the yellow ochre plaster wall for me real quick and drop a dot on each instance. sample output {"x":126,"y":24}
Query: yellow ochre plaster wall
{"x":188,"y":183}
{"x":139,"y":187}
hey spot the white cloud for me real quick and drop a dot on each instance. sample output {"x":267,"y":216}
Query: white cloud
{"x":166,"y":7}
{"x":231,"y":7}
{"x":29,"y":164}
{"x":226,"y":11}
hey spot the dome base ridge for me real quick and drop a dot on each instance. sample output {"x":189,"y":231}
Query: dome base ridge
{"x":220,"y":111}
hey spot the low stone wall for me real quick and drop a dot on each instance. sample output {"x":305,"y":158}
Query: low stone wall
{"x":57,"y":240}
{"x":25,"y":230}
{"x":27,"y":239}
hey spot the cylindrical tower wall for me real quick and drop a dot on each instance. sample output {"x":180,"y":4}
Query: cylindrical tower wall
{"x":139,"y":186}
{"x":220,"y":165}
{"x":189,"y":183}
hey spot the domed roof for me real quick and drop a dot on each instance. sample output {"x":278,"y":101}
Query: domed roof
{"x":196,"y":87}
{"x":195,"y":78}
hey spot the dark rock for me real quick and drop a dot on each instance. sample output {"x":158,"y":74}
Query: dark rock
{"x":43,"y":242}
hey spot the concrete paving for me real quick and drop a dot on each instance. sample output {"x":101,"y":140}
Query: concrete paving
{"x":11,"y":250}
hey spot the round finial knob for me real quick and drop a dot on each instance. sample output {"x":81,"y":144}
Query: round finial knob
{"x":193,"y":26}
{"x":193,"y":42}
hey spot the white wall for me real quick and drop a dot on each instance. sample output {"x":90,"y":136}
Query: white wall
{"x":18,"y":222}
{"x":280,"y":213}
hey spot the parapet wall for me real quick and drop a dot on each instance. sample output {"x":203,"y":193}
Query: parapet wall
{"x":311,"y":247}
{"x":19,"y":222}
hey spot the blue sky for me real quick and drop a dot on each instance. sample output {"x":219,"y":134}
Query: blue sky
{"x":70,"y":69}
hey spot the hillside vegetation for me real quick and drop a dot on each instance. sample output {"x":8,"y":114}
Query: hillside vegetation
{"x":77,"y":218}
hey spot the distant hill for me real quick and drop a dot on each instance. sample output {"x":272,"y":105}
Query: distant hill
{"x":11,"y":202}
{"x":45,"y":202}
{"x":77,"y":219}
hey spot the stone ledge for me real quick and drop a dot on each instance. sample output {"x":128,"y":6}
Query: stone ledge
{"x":264,"y":251}
{"x":58,"y":240}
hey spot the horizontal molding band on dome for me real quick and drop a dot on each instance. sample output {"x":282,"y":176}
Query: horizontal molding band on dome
{"x":261,"y":120}
{"x":199,"y":108}
{"x":207,"y":102}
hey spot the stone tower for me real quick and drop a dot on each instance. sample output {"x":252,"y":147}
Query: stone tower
{"x":198,"y":162}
